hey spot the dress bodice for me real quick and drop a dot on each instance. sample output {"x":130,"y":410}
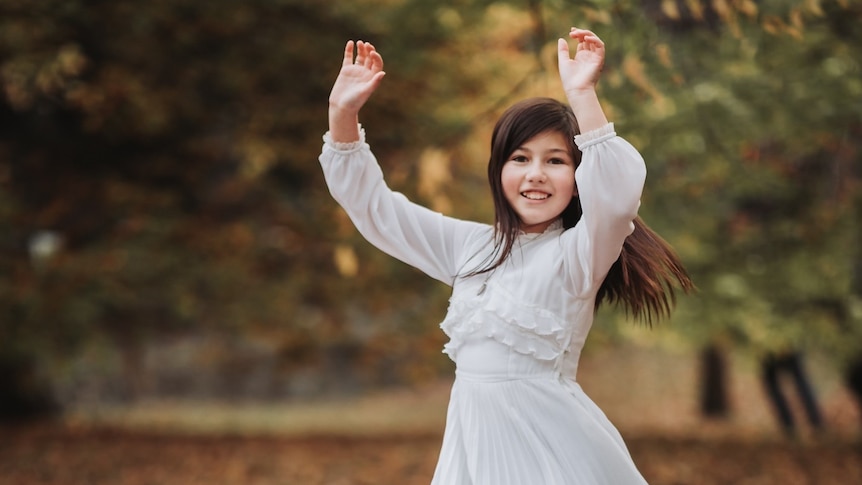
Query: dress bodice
{"x":523,"y":304}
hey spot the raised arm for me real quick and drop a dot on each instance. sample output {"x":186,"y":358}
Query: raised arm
{"x":611,"y":175}
{"x":580,"y":76}
{"x":358,"y":79}
{"x":417,"y":236}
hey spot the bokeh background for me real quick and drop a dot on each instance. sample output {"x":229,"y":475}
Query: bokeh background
{"x":181,"y":301}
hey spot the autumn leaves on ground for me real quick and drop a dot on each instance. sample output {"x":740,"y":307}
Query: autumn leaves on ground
{"x":70,"y":457}
{"x":393,"y":437}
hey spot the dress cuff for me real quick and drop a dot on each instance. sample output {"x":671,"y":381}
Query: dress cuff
{"x":595,"y":137}
{"x":351,"y":146}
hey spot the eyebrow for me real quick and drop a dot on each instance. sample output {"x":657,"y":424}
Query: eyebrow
{"x":553,"y":150}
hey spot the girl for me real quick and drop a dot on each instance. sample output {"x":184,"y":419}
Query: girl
{"x":525,"y":290}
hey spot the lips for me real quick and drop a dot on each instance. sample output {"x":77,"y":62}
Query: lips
{"x":535,"y":195}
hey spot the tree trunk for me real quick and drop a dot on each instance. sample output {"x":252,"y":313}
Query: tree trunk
{"x":713,"y":382}
{"x":23,"y":394}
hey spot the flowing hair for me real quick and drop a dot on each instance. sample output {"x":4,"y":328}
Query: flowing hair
{"x":642,"y":279}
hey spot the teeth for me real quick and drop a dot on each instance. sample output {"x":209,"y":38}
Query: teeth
{"x":535,"y":195}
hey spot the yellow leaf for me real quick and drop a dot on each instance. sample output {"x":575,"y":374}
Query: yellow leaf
{"x":748,"y":7}
{"x":433,"y":171}
{"x":345,"y":260}
{"x":814,"y":7}
{"x":670,"y":8}
{"x":696,"y":8}
{"x":796,"y":19}
{"x":663,"y":53}
{"x":722,"y":9}
{"x":257,"y":157}
{"x":599,"y":16}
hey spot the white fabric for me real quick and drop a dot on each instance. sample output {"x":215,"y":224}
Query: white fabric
{"x":516,"y":413}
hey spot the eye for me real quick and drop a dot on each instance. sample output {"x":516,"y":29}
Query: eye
{"x":557,"y":161}
{"x":519,"y":158}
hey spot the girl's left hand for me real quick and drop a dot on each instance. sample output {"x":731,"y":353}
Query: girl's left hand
{"x":581,"y":73}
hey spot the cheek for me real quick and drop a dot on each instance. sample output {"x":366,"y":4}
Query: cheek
{"x":567,"y":183}
{"x":509,"y":181}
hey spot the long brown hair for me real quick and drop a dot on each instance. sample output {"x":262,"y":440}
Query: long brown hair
{"x":643,"y":278}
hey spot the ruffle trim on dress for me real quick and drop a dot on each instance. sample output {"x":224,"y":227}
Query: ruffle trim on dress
{"x":345,"y":147}
{"x":526,"y":329}
{"x":594,"y":137}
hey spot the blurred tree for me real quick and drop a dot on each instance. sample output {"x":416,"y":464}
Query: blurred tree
{"x":158,"y":174}
{"x":170,"y":148}
{"x":761,"y":140}
{"x":776,"y":142}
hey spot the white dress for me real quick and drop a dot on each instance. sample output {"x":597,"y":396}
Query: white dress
{"x":517,"y":414}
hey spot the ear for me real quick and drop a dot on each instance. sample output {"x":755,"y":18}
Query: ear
{"x":575,"y":191}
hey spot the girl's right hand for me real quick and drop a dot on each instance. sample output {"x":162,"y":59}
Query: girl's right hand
{"x":357,"y":79}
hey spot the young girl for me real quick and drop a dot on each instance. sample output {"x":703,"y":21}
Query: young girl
{"x":525,"y":290}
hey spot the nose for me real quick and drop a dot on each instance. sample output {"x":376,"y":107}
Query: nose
{"x":536,"y":172}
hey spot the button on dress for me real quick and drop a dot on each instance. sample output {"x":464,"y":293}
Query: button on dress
{"x":517,"y":415}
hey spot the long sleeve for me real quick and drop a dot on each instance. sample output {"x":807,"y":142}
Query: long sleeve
{"x":422,"y":238}
{"x":610,"y":181}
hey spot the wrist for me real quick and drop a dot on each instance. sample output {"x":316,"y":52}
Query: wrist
{"x":343,"y":124}
{"x":579,"y":94}
{"x":342,"y":111}
{"x":587,"y":108}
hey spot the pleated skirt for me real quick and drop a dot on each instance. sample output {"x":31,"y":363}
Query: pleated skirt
{"x":513,"y":420}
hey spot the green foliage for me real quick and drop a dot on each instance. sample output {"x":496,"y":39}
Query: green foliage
{"x":752,"y":133}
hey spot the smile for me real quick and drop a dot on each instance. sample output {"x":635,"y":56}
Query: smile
{"x":532,"y":195}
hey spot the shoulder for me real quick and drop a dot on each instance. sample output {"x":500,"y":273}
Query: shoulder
{"x":478,"y":234}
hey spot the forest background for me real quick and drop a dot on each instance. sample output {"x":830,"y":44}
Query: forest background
{"x":165,"y":231}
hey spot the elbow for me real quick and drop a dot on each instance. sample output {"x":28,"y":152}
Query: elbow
{"x":620,"y":212}
{"x":638,"y":172}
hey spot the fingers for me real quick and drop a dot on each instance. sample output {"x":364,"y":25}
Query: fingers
{"x":366,"y":55}
{"x":563,"y":51}
{"x":348,"y":54}
{"x":361,"y":53}
{"x":372,"y":60}
{"x":587,"y":40}
{"x":376,"y":80}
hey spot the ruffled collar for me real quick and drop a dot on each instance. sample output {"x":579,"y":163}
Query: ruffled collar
{"x":554,"y":226}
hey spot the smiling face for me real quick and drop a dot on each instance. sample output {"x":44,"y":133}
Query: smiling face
{"x":522,"y":126}
{"x":538,"y":180}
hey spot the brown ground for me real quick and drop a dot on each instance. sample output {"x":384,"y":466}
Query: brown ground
{"x":57,"y":455}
